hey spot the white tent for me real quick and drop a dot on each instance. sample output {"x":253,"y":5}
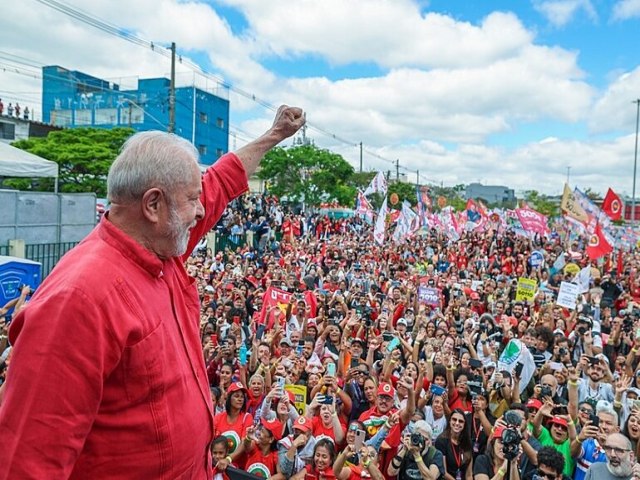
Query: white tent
{"x":15,"y":162}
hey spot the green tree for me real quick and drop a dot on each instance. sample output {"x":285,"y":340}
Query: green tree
{"x":308,"y":173}
{"x":542,"y":203}
{"x":83,"y":155}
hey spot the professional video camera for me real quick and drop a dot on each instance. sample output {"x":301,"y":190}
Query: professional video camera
{"x":511,"y":437}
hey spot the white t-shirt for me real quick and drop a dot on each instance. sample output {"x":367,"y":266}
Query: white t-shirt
{"x":437,"y":425}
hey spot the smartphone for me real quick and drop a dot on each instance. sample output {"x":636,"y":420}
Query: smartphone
{"x":355,"y":363}
{"x":556,"y":366}
{"x":280,"y":383}
{"x":593,"y":360}
{"x":359,"y":441}
{"x":437,"y":390}
{"x":260,"y":331}
{"x":393,"y":344}
{"x":518,"y":369}
{"x":475,"y":363}
{"x":331,"y":369}
{"x":300,"y":347}
{"x":595,"y":420}
{"x":387,"y":336}
{"x":214,"y":339}
{"x":326,"y":400}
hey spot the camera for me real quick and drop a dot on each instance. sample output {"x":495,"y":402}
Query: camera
{"x":511,"y":437}
{"x":545,"y":391}
{"x":417,"y":440}
{"x":562,"y":351}
{"x":581,"y":330}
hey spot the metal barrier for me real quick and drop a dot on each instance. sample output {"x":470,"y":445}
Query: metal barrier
{"x":48,"y":254}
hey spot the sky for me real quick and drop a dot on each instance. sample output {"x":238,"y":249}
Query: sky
{"x":520,"y":93}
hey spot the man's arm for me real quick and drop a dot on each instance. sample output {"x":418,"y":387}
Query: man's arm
{"x":288,"y":121}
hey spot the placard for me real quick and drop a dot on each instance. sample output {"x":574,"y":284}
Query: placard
{"x":526,"y":289}
{"x":429,"y":295}
{"x":300,"y":394}
{"x":568,"y":295}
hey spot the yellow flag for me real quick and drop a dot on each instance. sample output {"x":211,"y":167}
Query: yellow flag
{"x":570,"y":206}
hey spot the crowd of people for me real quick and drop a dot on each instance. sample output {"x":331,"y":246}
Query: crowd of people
{"x":15,"y":110}
{"x":399,"y":388}
{"x":319,"y":354}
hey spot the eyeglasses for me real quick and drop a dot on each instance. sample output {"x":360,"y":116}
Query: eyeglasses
{"x":586,"y":410}
{"x":618,"y":451}
{"x":541,"y":474}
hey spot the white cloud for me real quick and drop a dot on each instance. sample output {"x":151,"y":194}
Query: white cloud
{"x":626,"y":9}
{"x":561,"y":12}
{"x":614,"y":112}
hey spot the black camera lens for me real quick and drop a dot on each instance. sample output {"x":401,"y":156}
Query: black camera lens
{"x":417,"y":440}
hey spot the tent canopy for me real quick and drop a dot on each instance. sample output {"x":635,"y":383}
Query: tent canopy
{"x":15,"y":162}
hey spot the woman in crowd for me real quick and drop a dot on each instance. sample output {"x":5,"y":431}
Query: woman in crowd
{"x":455,"y":445}
{"x":493,"y":465}
{"x":234,"y":421}
{"x":261,"y":445}
{"x":321,"y":466}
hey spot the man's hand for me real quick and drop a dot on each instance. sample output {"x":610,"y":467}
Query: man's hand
{"x":288,"y":121}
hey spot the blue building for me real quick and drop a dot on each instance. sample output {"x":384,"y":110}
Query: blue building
{"x":75,"y":99}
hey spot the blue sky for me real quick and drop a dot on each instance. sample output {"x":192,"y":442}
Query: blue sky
{"x":502,"y":92}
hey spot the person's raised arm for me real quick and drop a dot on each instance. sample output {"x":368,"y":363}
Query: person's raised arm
{"x":288,"y":120}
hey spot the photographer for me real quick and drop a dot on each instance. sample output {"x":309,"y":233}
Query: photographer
{"x":496,"y":462}
{"x":417,"y":458}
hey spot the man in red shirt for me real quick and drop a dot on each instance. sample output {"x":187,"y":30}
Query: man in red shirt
{"x":116,"y":387}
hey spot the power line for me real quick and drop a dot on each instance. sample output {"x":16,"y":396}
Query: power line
{"x":119,"y":32}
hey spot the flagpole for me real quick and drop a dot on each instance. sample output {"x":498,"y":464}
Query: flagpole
{"x":635,"y":164}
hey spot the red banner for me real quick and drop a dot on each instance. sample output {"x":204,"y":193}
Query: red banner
{"x":276,"y":298}
{"x":532,"y":221}
{"x":598,"y":245}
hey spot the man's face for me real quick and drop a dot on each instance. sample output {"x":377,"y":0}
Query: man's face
{"x":384,"y":403}
{"x":307,"y":351}
{"x":499,"y":308}
{"x":559,"y":433}
{"x":184,"y":209}
{"x":548,"y":473}
{"x":596,"y":372}
{"x":517,"y":311}
{"x":607,"y":423}
{"x":619,"y":457}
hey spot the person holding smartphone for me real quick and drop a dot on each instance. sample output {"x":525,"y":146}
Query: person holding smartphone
{"x":586,"y":448}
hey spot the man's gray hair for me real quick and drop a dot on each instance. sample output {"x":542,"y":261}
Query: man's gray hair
{"x":608,"y":410}
{"x":147,"y":160}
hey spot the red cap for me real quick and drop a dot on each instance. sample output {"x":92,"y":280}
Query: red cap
{"x":475,"y":296}
{"x":534,"y":403}
{"x":236,"y":387}
{"x":559,"y":421}
{"x":303,"y":424}
{"x":386,"y":389}
{"x":274,"y":426}
{"x":497,"y":431}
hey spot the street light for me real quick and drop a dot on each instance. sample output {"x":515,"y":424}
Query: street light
{"x":635,"y":164}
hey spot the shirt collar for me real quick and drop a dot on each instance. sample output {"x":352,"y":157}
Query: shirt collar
{"x":129,"y":247}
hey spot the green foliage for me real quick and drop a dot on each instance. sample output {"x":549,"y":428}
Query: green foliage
{"x":84,"y":156}
{"x":308,"y":173}
{"x":541,"y":203}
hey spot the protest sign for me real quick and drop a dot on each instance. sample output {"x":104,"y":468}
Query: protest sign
{"x":429,"y":295}
{"x":526,"y":289}
{"x":536,"y":259}
{"x":300,"y":394}
{"x":568,"y":295}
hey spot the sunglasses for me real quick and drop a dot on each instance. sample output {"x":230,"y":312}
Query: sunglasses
{"x":540,"y":475}
{"x":353,"y":428}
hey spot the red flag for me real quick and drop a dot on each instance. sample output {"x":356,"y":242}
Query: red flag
{"x":598,"y":245}
{"x":612,"y":205}
{"x":277,"y":299}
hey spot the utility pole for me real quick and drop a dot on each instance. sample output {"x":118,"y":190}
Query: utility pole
{"x":635,"y":164}
{"x":360,"y":157}
{"x":417,"y":178}
{"x":172,"y":90}
{"x":397,"y":169}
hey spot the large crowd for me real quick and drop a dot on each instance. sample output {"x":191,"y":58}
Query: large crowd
{"x":350,"y":374}
{"x":324,"y":360}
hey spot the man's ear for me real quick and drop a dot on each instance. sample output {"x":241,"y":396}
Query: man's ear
{"x":153,"y":201}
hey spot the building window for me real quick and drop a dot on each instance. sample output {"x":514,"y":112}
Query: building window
{"x":220,"y":122}
{"x":219,"y":152}
{"x":204,"y":117}
{"x":106,"y":116}
{"x":7,"y":131}
{"x":202,"y":149}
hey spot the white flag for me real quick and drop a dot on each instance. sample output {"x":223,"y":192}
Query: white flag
{"x":378,"y":232}
{"x":378,"y":184}
{"x":514,"y":353}
{"x":583,"y":278}
{"x":559,"y":264}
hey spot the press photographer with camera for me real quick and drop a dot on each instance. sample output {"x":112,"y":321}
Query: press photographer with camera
{"x":417,"y":458}
{"x":498,"y":461}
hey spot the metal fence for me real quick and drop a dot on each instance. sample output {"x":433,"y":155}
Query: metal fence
{"x":48,"y":254}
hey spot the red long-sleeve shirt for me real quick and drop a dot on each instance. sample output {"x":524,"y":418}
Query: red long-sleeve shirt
{"x":107,"y":377}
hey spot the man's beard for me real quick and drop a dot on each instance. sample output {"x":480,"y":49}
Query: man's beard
{"x":623,"y":470}
{"x":178,"y":233}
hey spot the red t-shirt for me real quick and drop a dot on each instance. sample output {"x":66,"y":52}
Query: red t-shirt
{"x":235,"y":432}
{"x":320,"y":431}
{"x":455,"y":401}
{"x":263,"y":466}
